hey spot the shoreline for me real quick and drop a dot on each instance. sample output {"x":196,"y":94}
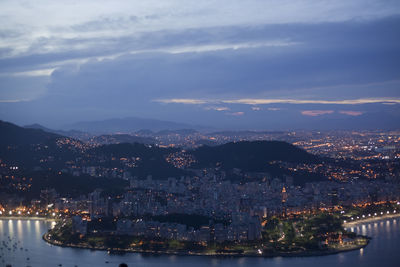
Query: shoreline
{"x":27,"y":218}
{"x":47,"y":239}
{"x":314,"y":253}
{"x":371,"y":219}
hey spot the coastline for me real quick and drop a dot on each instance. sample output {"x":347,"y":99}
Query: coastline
{"x":47,"y":239}
{"x":310,"y":253}
{"x":27,"y":218}
{"x":371,"y":219}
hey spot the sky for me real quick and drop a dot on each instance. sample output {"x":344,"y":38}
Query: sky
{"x":268,"y":65}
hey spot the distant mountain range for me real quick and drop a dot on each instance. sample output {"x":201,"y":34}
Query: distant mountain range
{"x":11,"y":134}
{"x":233,"y":155}
{"x":19,"y":146}
{"x":70,"y":133}
{"x":126,"y":125}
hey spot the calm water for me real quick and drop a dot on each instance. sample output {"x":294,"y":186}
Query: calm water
{"x":384,"y":250}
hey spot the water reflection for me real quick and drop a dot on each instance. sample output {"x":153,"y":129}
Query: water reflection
{"x":28,"y":225}
{"x":37,"y":229}
{"x":214,"y":262}
{"x":10,"y":227}
{"x":363,"y":230}
{"x":340,"y":257}
{"x":242,"y":261}
{"x":20,"y":229}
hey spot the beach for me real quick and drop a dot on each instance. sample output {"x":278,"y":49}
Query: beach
{"x":371,"y":219}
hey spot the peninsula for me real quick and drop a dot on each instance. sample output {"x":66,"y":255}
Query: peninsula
{"x":304,"y":235}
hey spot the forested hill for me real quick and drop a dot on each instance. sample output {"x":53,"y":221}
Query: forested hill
{"x":251,"y":156}
{"x":139,"y":159}
{"x":11,"y":134}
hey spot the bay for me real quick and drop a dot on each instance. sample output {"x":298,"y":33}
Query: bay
{"x":21,"y":244}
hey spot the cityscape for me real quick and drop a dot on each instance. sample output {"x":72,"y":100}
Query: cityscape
{"x":204,"y":201}
{"x":199,"y":133}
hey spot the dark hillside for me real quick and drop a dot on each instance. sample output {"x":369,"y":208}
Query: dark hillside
{"x":251,"y":156}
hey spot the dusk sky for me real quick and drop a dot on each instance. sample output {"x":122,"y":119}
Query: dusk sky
{"x":228,"y":64}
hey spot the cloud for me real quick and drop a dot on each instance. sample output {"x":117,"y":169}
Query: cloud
{"x":13,"y":100}
{"x":264,"y":101}
{"x":239,"y":113}
{"x":264,"y":59}
{"x":217,"y":108}
{"x":234,"y":46}
{"x":119,"y":18}
{"x":22,"y":87}
{"x":172,"y":61}
{"x":182,"y":101}
{"x":255,"y":101}
{"x":314,"y":113}
{"x":32,"y":73}
{"x":351,"y":112}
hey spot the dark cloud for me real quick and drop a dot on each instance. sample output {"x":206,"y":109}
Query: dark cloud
{"x":106,"y":23}
{"x":17,"y":88}
{"x":353,"y":59}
